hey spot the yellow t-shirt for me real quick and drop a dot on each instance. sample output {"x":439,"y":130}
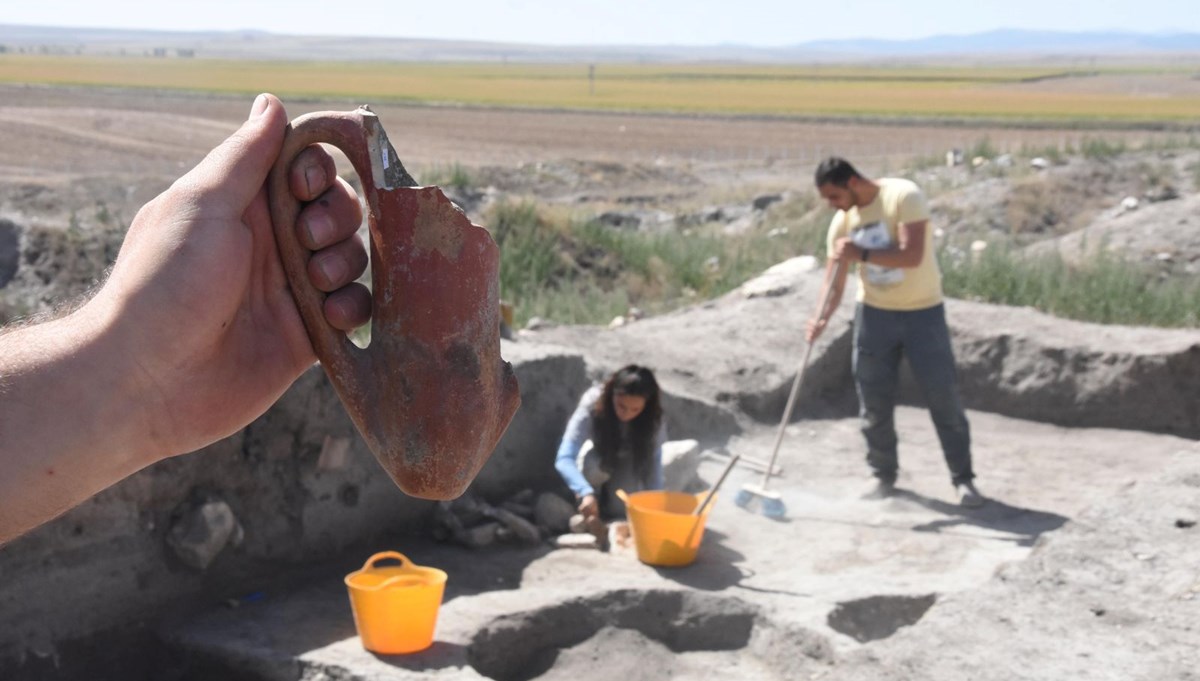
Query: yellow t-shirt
{"x":876,"y":226}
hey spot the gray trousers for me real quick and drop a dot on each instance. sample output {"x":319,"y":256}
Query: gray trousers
{"x":881,"y":338}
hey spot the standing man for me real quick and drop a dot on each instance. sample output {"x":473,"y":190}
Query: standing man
{"x":883,"y":226}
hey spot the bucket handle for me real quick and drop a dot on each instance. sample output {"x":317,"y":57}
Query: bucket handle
{"x":370,"y":565}
{"x":623,"y":496}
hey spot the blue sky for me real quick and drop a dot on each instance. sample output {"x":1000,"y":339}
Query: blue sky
{"x":567,"y":22}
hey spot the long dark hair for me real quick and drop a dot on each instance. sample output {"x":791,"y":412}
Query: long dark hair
{"x":606,"y":427}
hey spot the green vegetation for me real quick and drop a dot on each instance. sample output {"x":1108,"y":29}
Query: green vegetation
{"x":1099,"y":149}
{"x":981,"y":149}
{"x":577,"y":271}
{"x":1050,"y":152}
{"x":454,"y":175}
{"x":936,"y":92}
{"x":1105,"y":289}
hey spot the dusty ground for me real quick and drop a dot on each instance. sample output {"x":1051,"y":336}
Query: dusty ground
{"x":832,"y":550}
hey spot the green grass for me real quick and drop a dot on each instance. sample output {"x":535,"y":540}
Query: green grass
{"x":1105,"y":289}
{"x":578,"y":271}
{"x":453,"y":175}
{"x":1099,"y":149}
{"x":575,"y":271}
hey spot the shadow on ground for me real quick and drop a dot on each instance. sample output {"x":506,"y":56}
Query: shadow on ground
{"x":714,"y":568}
{"x":441,"y":655}
{"x":1025,"y":524}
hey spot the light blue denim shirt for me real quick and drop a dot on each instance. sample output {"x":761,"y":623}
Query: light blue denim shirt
{"x":579,"y":430}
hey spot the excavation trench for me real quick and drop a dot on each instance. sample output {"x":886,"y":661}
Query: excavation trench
{"x":878,"y":617}
{"x":631,"y":635}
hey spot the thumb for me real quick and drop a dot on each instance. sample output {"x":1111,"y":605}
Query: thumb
{"x":234,"y":172}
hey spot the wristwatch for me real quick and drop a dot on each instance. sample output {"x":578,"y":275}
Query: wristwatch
{"x":865,"y":254}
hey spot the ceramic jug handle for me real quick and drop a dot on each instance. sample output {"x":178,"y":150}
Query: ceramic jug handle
{"x":359,"y":135}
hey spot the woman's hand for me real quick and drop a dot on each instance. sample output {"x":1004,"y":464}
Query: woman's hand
{"x":589,"y":507}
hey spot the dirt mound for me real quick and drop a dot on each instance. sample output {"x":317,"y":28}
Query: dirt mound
{"x":1163,"y":234}
{"x":1035,"y":205}
{"x":742,"y":351}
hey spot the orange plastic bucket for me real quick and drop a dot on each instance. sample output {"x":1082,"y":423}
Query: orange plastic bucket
{"x":664,"y":529}
{"x":396,"y":606}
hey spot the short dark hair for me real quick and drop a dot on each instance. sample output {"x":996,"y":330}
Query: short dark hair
{"x":835,"y":170}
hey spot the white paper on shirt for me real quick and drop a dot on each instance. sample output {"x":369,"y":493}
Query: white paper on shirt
{"x":875,"y":237}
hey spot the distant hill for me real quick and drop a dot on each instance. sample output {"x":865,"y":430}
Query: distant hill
{"x":1003,"y":44}
{"x":1010,"y":41}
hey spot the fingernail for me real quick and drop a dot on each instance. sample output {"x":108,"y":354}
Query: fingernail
{"x":314,"y":179}
{"x":260,"y":105}
{"x":334,"y":269}
{"x":320,"y":230}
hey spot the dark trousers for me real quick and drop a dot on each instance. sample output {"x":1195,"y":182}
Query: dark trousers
{"x":881,"y":338}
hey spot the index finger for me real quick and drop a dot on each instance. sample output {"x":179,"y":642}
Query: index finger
{"x":312,"y":172}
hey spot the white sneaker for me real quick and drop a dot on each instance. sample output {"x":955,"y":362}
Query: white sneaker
{"x":968,"y":496}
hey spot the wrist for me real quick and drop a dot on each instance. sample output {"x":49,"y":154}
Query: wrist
{"x":116,"y":394}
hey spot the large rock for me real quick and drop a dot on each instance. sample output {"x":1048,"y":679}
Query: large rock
{"x":681,"y":462}
{"x":203,"y":532}
{"x":1022,"y":363}
{"x":553,"y":513}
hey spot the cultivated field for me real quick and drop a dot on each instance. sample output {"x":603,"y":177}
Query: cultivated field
{"x":1005,"y":94}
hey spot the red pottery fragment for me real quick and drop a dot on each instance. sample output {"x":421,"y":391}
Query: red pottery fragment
{"x":430,"y":395}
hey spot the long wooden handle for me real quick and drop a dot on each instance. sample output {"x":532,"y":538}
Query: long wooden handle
{"x":799,"y":380}
{"x":724,"y":474}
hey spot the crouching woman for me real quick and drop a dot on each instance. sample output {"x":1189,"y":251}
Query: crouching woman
{"x":614,"y":442}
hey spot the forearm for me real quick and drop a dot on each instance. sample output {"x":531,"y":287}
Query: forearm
{"x":903,"y":258}
{"x":68,"y":418}
{"x":572,"y":476}
{"x":831,"y":291}
{"x":908,"y":252}
{"x":566,"y":465}
{"x":835,"y":299}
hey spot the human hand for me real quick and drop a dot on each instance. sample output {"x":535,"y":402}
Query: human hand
{"x":589,"y":507}
{"x":814,"y":328}
{"x":845,"y":250}
{"x":198,"y":297}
